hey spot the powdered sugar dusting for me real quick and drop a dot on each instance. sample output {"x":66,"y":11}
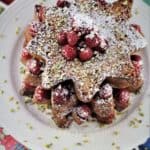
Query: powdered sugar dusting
{"x":122,"y":40}
{"x":110,"y":1}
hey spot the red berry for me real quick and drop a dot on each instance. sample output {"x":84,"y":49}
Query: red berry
{"x":86,"y":54}
{"x":28,"y":86}
{"x":34,"y":26}
{"x":136,"y":58}
{"x":62,"y":3}
{"x":34,"y":66}
{"x":137,"y":62}
{"x":25,"y":56}
{"x":122,"y":99}
{"x":84,"y":112}
{"x":40,"y":94}
{"x":7,"y":1}
{"x":72,"y":38}
{"x":102,"y":2}
{"x":92,"y":41}
{"x":62,"y":38}
{"x":1,"y":130}
{"x":69,"y":52}
{"x":137,"y":28}
{"x":60,"y":95}
{"x":40,"y":12}
{"x":105,"y":91}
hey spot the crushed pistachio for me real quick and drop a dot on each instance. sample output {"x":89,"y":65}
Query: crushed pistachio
{"x":118,"y":147}
{"x":116,"y":133}
{"x":22,"y":70}
{"x":79,"y":144}
{"x":113,"y":144}
{"x":5,"y":81}
{"x":11,"y":98}
{"x":25,"y":141}
{"x":135,"y":123}
{"x":29,"y":126}
{"x":12,"y":110}
{"x":136,"y":11}
{"x":17,"y":103}
{"x":39,"y":138}
{"x":18,"y":108}
{"x":56,"y":137}
{"x":49,"y":145}
{"x":1,"y":36}
{"x":65,"y":148}
{"x":85,"y":141}
{"x":1,"y":92}
{"x":102,"y":125}
{"x":18,"y":30}
{"x":1,"y":9}
{"x":3,"y":57}
{"x":42,"y":107}
{"x":148,"y":126}
{"x":27,"y":100}
{"x":141,"y":114}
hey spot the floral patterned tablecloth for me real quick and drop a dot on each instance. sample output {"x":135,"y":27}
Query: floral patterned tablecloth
{"x":7,"y":142}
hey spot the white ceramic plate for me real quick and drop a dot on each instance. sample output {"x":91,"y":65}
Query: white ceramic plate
{"x":37,"y":131}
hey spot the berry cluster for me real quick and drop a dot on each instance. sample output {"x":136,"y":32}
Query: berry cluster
{"x":80,"y":43}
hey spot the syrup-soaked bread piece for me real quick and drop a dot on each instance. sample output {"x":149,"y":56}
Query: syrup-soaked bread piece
{"x":27,"y":35}
{"x":63,"y":101}
{"x":30,"y":82}
{"x":39,"y":13}
{"x":132,"y":79}
{"x":104,"y":109}
{"x":119,"y":8}
{"x":132,"y":84}
{"x":103,"y":104}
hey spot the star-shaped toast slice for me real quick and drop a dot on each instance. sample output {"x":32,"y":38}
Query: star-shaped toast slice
{"x":122,"y":38}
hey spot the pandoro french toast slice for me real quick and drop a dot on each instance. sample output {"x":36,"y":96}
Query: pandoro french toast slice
{"x":110,"y":23}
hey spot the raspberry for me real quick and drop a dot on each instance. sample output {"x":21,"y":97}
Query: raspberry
{"x":92,"y":41}
{"x":60,"y":95}
{"x":137,"y":28}
{"x":83,"y":112}
{"x":25,"y":56}
{"x":34,"y":26}
{"x":69,"y":52}
{"x":62,"y":3}
{"x":106,"y":91}
{"x":62,"y":38}
{"x":72,"y":38}
{"x":137,"y":62}
{"x":40,"y":12}
{"x":86,"y":54}
{"x":34,"y":66}
{"x":102,"y":2}
{"x":122,"y":99}
{"x":41,"y":94}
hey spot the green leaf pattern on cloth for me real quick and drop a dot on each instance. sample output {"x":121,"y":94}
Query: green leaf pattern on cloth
{"x":1,"y":9}
{"x":147,"y":2}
